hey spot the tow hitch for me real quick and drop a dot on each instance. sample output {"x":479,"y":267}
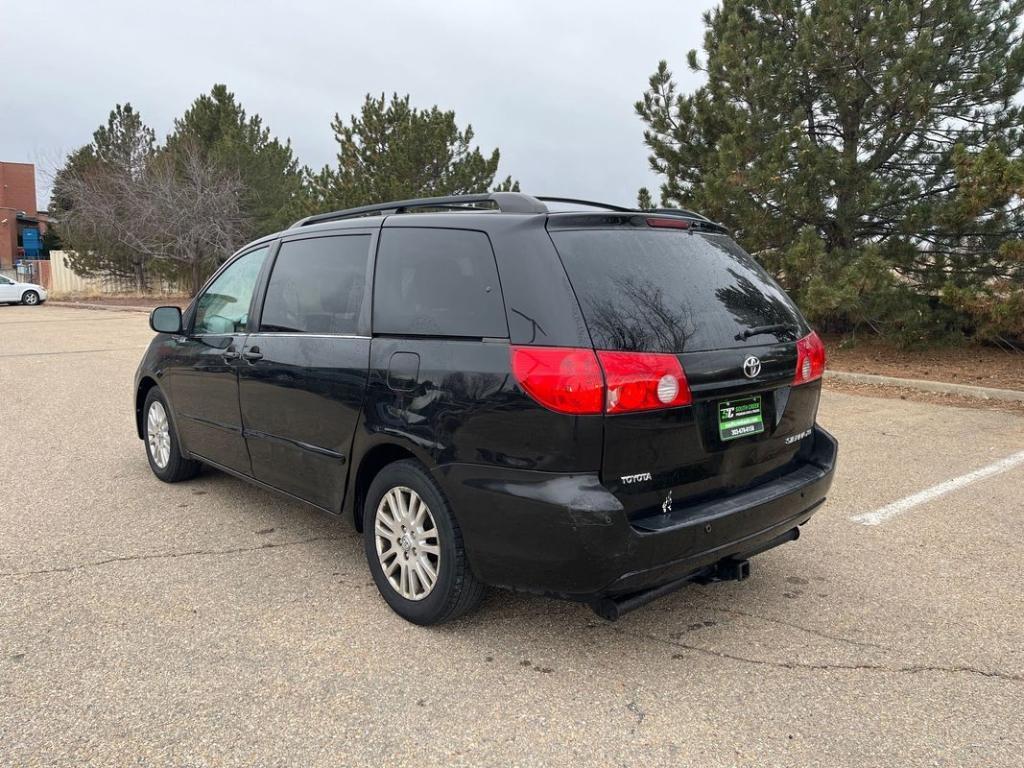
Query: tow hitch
{"x":729,"y":569}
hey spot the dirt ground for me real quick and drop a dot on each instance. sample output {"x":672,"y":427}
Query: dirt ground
{"x":903,"y":393}
{"x":975,"y":365}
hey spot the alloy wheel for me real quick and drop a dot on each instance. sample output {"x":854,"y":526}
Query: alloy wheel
{"x":407,"y":542}
{"x":158,"y":434}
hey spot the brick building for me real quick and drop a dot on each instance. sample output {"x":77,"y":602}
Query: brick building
{"x":21,"y":223}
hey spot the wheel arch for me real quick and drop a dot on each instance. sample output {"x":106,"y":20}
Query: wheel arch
{"x":370,"y":465}
{"x":146,"y":383}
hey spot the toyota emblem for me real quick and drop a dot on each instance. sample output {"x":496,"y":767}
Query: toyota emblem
{"x":751,"y":366}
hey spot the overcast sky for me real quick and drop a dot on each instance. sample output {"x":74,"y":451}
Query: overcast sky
{"x":552,"y":84}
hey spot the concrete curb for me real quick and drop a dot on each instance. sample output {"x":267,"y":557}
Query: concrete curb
{"x":108,"y":307}
{"x":941,"y":387}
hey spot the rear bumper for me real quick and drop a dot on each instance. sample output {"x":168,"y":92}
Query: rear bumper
{"x":567,"y":535}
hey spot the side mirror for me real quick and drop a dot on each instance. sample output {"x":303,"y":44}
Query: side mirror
{"x":165,"y":320}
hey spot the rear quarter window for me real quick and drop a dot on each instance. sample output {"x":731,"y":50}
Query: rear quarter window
{"x":670,"y":291}
{"x":437,"y":282}
{"x":317,"y":286}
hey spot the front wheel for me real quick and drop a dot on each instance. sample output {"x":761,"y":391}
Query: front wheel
{"x":31,"y":298}
{"x":162,"y":447}
{"x":414,"y":547}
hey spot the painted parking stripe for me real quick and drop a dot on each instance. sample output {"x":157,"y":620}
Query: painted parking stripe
{"x":890,"y":511}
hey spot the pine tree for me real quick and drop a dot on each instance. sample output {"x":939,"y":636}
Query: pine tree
{"x":863,"y":151}
{"x":990,"y":187}
{"x":217,"y":124}
{"x":393,"y":151}
{"x":644,"y":201}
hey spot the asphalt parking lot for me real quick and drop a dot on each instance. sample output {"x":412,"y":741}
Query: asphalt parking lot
{"x":212,"y":623}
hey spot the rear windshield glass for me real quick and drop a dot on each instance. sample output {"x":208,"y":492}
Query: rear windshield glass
{"x":672,"y":292}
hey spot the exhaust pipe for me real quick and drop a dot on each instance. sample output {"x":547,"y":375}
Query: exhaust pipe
{"x":729,"y":569}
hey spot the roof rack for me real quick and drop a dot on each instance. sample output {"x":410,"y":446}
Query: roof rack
{"x":506,"y":202}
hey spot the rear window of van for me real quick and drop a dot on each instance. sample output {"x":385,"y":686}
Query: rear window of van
{"x":671,"y":291}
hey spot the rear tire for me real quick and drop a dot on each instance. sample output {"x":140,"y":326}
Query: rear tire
{"x":30,"y":298}
{"x":426,"y":559}
{"x":161,"y":441}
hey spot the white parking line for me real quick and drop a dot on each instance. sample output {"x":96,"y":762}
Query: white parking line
{"x":890,"y":511}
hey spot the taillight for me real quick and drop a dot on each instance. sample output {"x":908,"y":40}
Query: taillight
{"x":572,"y":380}
{"x":810,"y":359}
{"x":563,"y":379}
{"x":642,"y":381}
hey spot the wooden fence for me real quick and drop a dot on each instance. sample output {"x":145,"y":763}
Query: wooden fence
{"x":59,"y":279}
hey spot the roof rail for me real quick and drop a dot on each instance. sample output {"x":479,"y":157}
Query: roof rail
{"x":506,"y":202}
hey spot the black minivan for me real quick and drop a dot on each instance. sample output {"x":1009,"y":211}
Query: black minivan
{"x":565,"y":397}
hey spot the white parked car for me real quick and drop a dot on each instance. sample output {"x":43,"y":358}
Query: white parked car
{"x":23,"y":293}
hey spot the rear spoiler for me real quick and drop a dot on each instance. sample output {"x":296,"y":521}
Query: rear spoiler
{"x":662,"y":219}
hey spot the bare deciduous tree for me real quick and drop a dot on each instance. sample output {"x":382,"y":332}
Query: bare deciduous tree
{"x":182,"y":213}
{"x":124,"y":146}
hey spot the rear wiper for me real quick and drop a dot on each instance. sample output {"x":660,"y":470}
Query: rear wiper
{"x":757,"y":330}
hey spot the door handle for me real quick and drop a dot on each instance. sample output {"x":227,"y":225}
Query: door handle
{"x":229,"y":355}
{"x":252,"y":355}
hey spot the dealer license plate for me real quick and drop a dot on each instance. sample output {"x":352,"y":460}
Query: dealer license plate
{"x":740,"y":418}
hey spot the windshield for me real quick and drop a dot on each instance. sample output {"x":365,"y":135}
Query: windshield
{"x":659,"y":291}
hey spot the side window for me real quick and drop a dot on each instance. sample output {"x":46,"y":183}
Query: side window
{"x":317,"y":285}
{"x":437,"y":282}
{"x":224,"y":306}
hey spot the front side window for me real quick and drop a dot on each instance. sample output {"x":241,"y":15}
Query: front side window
{"x":5,"y":281}
{"x":224,"y":306}
{"x":437,"y":282}
{"x":317,"y":286}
